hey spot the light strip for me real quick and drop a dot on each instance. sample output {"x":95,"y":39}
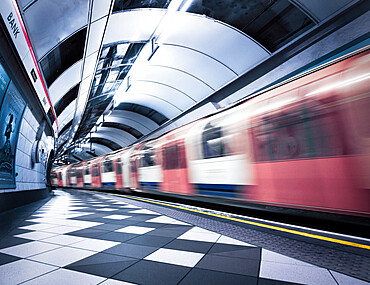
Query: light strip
{"x":15,"y":4}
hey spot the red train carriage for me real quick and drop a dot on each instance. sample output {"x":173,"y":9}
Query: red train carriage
{"x":303,"y":144}
{"x":172,"y":157}
{"x":96,"y":172}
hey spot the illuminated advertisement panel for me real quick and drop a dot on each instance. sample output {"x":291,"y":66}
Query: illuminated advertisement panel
{"x":11,"y":113}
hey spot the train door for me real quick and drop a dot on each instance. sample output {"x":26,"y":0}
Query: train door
{"x":95,"y":175}
{"x":108,"y":176}
{"x":87,"y":175}
{"x":175,"y":172}
{"x":118,"y":171}
{"x":126,"y":175}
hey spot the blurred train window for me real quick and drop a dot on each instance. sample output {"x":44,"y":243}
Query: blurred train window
{"x":107,"y":166}
{"x":79,"y":173}
{"x":147,"y":158}
{"x":59,"y":176}
{"x":53,"y":175}
{"x":171,"y":157}
{"x":87,"y":170}
{"x":133,"y":166}
{"x":212,"y":143}
{"x":119,"y":166}
{"x":307,"y":130}
{"x":95,"y":170}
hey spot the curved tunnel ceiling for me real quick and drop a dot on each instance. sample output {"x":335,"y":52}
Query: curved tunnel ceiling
{"x":116,"y":69}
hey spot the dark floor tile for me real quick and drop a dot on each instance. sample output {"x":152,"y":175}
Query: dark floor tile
{"x":107,"y":227}
{"x":6,"y":258}
{"x":150,"y":272}
{"x":9,"y":241}
{"x":18,"y":232}
{"x":230,"y":264}
{"x":89,"y":233}
{"x":150,"y":240}
{"x":189,"y":245}
{"x":140,"y":218}
{"x":177,"y":227}
{"x":131,"y":250}
{"x":150,"y":225}
{"x":263,"y":281}
{"x":116,"y":236}
{"x":236,"y":251}
{"x":202,"y":277}
{"x":124,"y":222}
{"x":102,"y":264}
{"x":165,"y":233}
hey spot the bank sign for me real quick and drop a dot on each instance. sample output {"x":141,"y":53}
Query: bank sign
{"x":13,"y":21}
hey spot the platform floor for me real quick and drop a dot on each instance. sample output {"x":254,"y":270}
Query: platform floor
{"x":80,"y":237}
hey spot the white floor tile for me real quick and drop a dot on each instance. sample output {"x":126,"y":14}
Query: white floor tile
{"x":82,"y":224}
{"x":199,"y":234}
{"x":65,"y":276}
{"x":120,"y":203}
{"x":295,"y":273}
{"x":271,"y":256}
{"x":130,"y":206}
{"x":62,"y":229}
{"x":229,"y":240}
{"x":345,"y":279}
{"x":117,"y":217}
{"x":64,"y":239}
{"x":144,"y":211}
{"x":37,"y":235}
{"x":62,"y":256}
{"x":177,"y":257}
{"x":95,"y":244}
{"x":135,"y":230}
{"x":166,"y":220}
{"x":22,"y":270}
{"x":28,"y":249}
{"x":37,"y":227}
{"x":106,"y":209}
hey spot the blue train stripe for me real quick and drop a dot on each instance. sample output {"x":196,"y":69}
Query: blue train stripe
{"x":108,"y":184}
{"x":149,"y":185}
{"x":217,"y":193}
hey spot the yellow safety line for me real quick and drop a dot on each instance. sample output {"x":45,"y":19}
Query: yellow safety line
{"x":254,"y":223}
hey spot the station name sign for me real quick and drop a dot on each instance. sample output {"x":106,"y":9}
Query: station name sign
{"x":13,"y":25}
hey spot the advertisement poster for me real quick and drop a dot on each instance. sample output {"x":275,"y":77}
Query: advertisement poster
{"x":4,"y":82}
{"x":11,"y":113}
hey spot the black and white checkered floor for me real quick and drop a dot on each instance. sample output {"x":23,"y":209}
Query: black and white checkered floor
{"x":79,"y":238}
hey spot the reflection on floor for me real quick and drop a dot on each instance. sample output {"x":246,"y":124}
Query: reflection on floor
{"x":92,"y":238}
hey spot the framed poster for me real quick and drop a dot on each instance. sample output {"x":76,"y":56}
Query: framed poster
{"x":11,"y":114}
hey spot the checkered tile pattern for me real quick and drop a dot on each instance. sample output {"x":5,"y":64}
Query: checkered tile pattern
{"x":87,"y":238}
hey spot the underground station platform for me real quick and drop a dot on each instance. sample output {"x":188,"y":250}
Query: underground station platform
{"x":83,"y":237}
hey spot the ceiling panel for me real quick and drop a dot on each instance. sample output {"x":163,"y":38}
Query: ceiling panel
{"x":203,"y":34}
{"x":89,"y":66}
{"x":124,"y":136}
{"x":167,"y":93}
{"x":155,"y":103}
{"x":137,"y":121}
{"x":50,"y":22}
{"x":111,"y":135}
{"x":67,"y":114}
{"x":95,"y":36}
{"x":200,"y":65}
{"x":65,"y":82}
{"x":320,"y":11}
{"x":183,"y":81}
{"x":100,"y":9}
{"x":135,"y":25}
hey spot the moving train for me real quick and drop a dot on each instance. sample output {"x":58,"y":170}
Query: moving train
{"x":303,"y":144}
